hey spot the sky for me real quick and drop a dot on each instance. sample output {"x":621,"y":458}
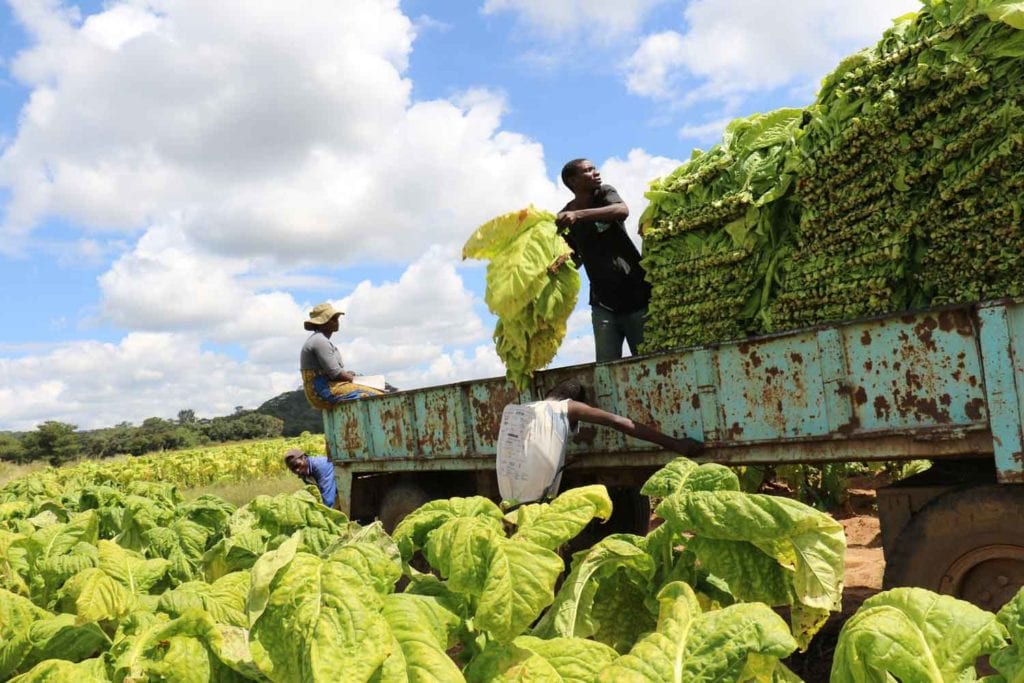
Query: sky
{"x":182,"y":180}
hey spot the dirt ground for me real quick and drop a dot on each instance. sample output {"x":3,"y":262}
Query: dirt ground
{"x":864,"y":568}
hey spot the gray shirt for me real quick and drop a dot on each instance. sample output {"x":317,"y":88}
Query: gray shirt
{"x":318,"y":353}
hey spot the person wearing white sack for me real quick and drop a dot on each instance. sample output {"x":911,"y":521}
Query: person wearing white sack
{"x":533,"y":437}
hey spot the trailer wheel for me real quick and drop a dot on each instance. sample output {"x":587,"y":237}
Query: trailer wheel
{"x":967,"y":543}
{"x":400,"y":499}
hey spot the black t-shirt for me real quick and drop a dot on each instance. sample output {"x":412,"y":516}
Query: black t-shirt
{"x":610,"y":258}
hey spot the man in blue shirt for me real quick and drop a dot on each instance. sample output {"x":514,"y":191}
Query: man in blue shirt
{"x":314,"y":469}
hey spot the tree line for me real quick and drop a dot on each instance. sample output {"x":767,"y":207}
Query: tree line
{"x":58,"y":442}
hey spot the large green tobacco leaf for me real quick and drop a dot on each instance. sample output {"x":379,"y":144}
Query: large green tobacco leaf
{"x":63,"y":671}
{"x":286,"y":513}
{"x":50,"y":554}
{"x":51,"y":637}
{"x":615,"y":559}
{"x":494,"y":236}
{"x":141,"y":514}
{"x":411,"y":533}
{"x":14,"y":563}
{"x":738,"y":643}
{"x":1008,"y":11}
{"x":510,"y":580}
{"x":382,"y":568}
{"x":912,"y":634}
{"x":230,"y":554}
{"x":182,"y":544}
{"x":321,"y":620}
{"x":683,"y":474}
{"x":559,"y":660}
{"x":1009,"y":661}
{"x":183,"y":649}
{"x":17,"y":614}
{"x":532,"y":304}
{"x":422,"y":628}
{"x":94,"y":595}
{"x":224,"y":599}
{"x":131,"y":569}
{"x":549,"y":525}
{"x":766,"y":548}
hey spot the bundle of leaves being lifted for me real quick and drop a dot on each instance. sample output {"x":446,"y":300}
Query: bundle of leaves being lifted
{"x":912,"y":170}
{"x":715,"y":230}
{"x":532,"y":303}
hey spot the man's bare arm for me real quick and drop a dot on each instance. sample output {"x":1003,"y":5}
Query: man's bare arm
{"x":612,"y":212}
{"x":586,"y":413}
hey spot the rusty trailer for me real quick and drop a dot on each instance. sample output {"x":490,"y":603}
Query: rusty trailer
{"x":945,"y":384}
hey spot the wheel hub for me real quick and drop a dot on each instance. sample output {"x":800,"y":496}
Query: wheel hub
{"x":988,"y":576}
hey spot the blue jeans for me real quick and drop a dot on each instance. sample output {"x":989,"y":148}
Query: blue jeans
{"x":610,"y":329}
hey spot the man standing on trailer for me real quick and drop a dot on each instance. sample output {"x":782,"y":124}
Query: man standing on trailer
{"x":593,"y":225}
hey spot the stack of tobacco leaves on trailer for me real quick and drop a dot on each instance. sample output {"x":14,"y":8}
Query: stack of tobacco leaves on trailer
{"x":912,"y":169}
{"x":715,"y":230}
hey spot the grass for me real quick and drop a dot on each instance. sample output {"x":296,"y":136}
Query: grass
{"x":10,"y":471}
{"x":241,"y":492}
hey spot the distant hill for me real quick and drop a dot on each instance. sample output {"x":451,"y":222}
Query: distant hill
{"x":296,"y":412}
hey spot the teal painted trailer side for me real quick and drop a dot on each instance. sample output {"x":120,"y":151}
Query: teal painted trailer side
{"x":934,"y":383}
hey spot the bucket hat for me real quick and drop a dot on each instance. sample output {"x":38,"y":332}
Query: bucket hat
{"x":320,"y":315}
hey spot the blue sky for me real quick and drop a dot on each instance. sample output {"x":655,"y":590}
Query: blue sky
{"x":180,"y":182}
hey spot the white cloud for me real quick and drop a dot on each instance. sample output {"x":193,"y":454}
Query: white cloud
{"x":93,"y":384}
{"x":270,"y":131}
{"x":706,"y":133}
{"x":631,"y":177}
{"x":738,"y":46}
{"x":598,"y":20}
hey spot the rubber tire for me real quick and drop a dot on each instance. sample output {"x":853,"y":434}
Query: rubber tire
{"x":950,"y":526}
{"x":399,"y":500}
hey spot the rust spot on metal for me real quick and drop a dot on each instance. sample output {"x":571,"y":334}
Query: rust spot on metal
{"x":663,"y":368}
{"x":865,"y":338}
{"x":882,"y":408}
{"x":973,"y":408}
{"x":956,"y":320}
{"x":734,"y":431}
{"x":755,"y":359}
{"x":907,"y":319}
{"x":868,"y":365}
{"x":860,"y":396}
{"x":946,"y":400}
{"x":744,"y":348}
{"x":850,"y":427}
{"x":487,"y":412}
{"x":924,"y":330}
{"x":797,"y":358}
{"x":896,"y":366}
{"x":773,"y":371}
{"x":931,"y":408}
{"x":695,"y":401}
{"x":972,"y":380}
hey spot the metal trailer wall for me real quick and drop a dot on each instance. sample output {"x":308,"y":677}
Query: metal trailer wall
{"x":929,"y":384}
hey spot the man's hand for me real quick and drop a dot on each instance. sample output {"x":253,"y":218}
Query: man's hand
{"x":558,"y":262}
{"x":566,"y":219}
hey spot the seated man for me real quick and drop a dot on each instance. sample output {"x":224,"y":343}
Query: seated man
{"x":533,"y":437}
{"x":314,"y":469}
{"x":324,"y":378}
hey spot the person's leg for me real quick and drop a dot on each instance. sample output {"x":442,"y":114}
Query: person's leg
{"x":608,"y":334}
{"x":633,"y":327}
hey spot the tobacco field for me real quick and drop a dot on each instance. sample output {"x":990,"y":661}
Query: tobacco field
{"x":128,"y":582}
